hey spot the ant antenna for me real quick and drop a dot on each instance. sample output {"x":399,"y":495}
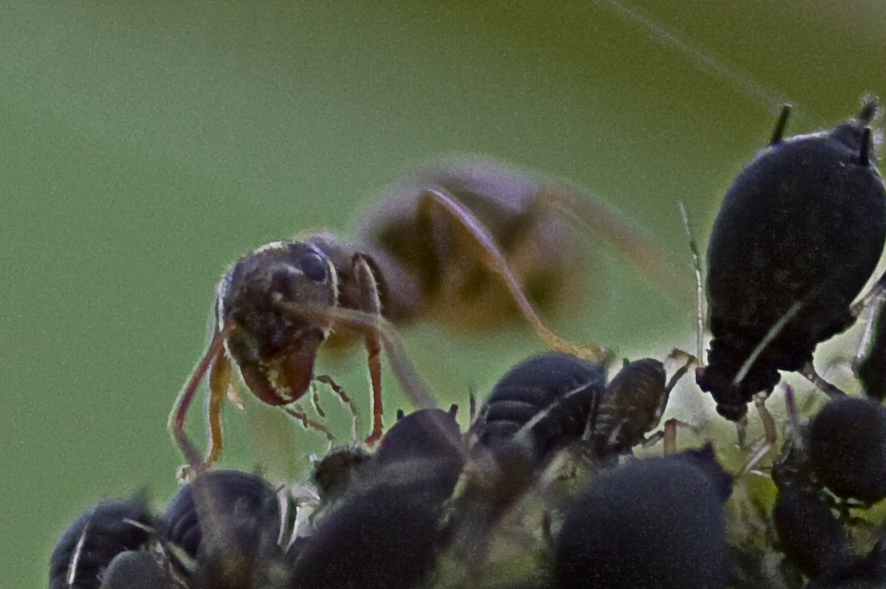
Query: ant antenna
{"x":693,"y":248}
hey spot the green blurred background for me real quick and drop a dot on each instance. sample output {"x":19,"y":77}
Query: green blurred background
{"x":144,"y":146}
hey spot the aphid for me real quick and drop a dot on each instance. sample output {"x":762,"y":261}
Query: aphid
{"x":842,"y":449}
{"x":811,"y":536}
{"x":871,"y":369}
{"x":228,"y":526}
{"x":847,"y":448}
{"x":333,"y":473}
{"x":547,"y":399}
{"x":799,"y":233}
{"x":467,"y":240}
{"x":630,"y":407}
{"x":656,"y":522}
{"x":89,"y":544}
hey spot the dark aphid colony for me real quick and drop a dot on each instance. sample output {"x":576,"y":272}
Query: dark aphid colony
{"x":799,"y":233}
{"x":828,"y":466}
{"x":541,"y":489}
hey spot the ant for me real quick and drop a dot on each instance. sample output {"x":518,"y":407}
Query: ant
{"x":470,"y":238}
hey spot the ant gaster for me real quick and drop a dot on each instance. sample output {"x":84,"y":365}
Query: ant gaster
{"x":470,"y":234}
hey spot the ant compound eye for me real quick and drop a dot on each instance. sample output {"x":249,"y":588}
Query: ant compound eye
{"x":314,"y":266}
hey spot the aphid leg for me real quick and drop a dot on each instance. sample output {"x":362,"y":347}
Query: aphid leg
{"x":808,"y":372}
{"x":180,"y":409}
{"x":670,"y":436}
{"x":780,"y":125}
{"x":488,"y":251}
{"x":371,"y":304}
{"x":345,"y":398}
{"x":770,"y":432}
{"x":315,"y":401}
{"x":618,"y":233}
{"x":297,"y":412}
{"x":668,"y":433}
{"x":741,"y":431}
{"x":699,"y":287}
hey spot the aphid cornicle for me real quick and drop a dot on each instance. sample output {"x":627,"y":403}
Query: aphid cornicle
{"x":798,"y":235}
{"x":92,"y":541}
{"x":465,"y":242}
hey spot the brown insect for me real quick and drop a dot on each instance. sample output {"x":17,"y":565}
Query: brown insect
{"x":467,"y":242}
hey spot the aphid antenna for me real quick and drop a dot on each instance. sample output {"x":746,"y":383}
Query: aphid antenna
{"x":699,"y":286}
{"x":616,"y":231}
{"x":74,"y":563}
{"x":767,"y":339}
{"x":703,"y":59}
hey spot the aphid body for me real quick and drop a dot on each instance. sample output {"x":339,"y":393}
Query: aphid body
{"x":92,"y":541}
{"x":798,"y":235}
{"x":656,"y":523}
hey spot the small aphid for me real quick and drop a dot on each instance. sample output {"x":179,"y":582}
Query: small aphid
{"x":333,"y":473}
{"x":227,"y":524}
{"x":652,"y":523}
{"x":89,"y":544}
{"x":630,"y":407}
{"x":798,"y":235}
{"x":464,"y":243}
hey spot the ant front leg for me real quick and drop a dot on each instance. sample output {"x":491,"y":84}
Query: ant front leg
{"x":479,"y":242}
{"x":214,"y":361}
{"x":370,"y":303}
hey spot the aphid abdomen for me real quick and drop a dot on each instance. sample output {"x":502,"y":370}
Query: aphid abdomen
{"x":653,"y":523}
{"x":798,"y":235}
